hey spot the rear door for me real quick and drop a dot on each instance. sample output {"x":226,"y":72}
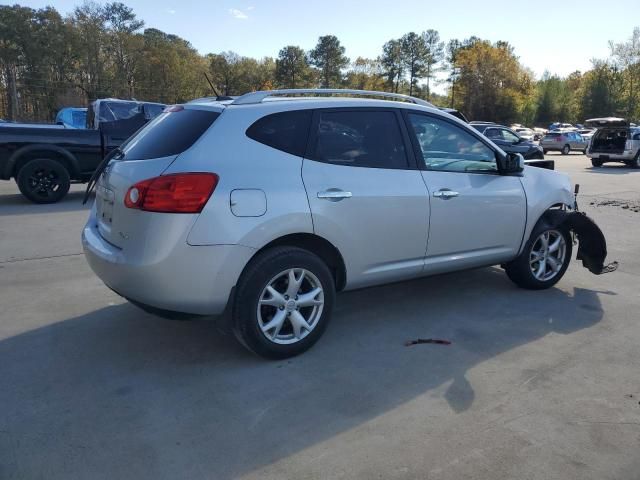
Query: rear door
{"x":577,"y":141}
{"x":366,"y":195}
{"x":477,"y":215}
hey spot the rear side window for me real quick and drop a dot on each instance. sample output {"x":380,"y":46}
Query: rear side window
{"x":170,"y":133}
{"x":360,"y":139}
{"x":286,"y":131}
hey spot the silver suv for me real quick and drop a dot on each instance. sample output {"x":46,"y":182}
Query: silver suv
{"x":270,"y":205}
{"x":614,"y":141}
{"x":563,"y":141}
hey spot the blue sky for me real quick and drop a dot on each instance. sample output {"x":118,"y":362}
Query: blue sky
{"x":559,"y":37}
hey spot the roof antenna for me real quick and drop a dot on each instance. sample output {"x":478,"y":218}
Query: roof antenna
{"x":211,"y":84}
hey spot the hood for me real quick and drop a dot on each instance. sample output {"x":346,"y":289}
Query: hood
{"x":606,"y":122}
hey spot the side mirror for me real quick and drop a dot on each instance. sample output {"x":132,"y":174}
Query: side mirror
{"x":510,"y":163}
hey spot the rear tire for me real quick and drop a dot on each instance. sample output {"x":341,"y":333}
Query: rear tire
{"x":635,"y":163}
{"x":566,"y":149}
{"x":537,"y":267}
{"x":43,"y":180}
{"x":596,"y":163}
{"x":283,"y":303}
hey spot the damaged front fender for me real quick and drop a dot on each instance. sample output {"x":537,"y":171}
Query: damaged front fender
{"x":592,"y":246}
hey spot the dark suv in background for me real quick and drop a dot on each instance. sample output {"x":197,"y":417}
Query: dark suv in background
{"x":508,"y":140}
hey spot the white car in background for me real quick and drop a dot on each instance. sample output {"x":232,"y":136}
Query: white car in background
{"x":525,"y":133}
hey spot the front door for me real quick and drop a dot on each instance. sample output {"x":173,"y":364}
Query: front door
{"x":365,"y":196}
{"x":477,"y":215}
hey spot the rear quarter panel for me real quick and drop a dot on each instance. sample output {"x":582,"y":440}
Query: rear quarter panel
{"x":244,"y":164}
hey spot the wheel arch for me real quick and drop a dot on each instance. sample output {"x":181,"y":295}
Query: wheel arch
{"x":531,"y":226}
{"x":52,"y":152}
{"x":317,"y":245}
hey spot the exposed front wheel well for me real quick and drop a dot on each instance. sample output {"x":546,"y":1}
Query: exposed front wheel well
{"x":319,"y":246}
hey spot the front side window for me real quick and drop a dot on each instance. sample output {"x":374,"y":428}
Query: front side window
{"x":508,"y":136}
{"x":360,"y":139}
{"x":445,"y":146}
{"x":493,"y":133}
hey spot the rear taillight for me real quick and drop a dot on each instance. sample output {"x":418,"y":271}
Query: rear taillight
{"x":175,"y":193}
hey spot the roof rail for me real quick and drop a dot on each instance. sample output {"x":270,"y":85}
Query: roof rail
{"x":258,"y":97}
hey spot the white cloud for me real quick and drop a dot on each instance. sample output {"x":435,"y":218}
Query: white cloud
{"x":250,"y":7}
{"x":239,"y":14}
{"x":171,"y":11}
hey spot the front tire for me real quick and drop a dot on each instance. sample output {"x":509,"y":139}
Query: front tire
{"x":566,"y":149}
{"x":43,"y":180}
{"x":544,"y":260}
{"x":596,"y":163}
{"x":283,"y":303}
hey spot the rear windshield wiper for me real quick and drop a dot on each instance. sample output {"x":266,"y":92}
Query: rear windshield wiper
{"x":116,"y":153}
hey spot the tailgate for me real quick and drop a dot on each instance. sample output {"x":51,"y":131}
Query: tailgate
{"x":117,"y":223}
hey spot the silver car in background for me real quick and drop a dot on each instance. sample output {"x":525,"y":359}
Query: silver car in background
{"x":614,"y":141}
{"x":265,"y":206}
{"x":563,"y":141}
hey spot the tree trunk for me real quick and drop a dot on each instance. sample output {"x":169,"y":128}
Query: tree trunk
{"x":12,"y":93}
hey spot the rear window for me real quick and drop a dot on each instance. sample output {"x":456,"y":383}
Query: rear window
{"x":170,"y":133}
{"x":286,"y":131}
{"x":553,"y":134}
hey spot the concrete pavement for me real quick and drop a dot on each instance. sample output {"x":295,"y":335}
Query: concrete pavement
{"x":536,"y":385}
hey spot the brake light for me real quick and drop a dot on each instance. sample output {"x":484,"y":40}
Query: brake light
{"x":175,"y":193}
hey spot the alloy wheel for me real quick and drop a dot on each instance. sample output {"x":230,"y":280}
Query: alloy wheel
{"x":547,"y":255}
{"x":43,"y":183}
{"x":290,"y":306}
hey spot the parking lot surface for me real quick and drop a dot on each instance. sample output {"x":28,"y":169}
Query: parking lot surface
{"x":535,"y":385}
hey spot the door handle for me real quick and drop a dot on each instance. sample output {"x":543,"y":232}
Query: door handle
{"x":334,"y":195}
{"x":445,"y":194}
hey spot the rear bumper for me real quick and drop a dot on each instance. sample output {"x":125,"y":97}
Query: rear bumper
{"x":188,"y":279}
{"x":625,"y":156}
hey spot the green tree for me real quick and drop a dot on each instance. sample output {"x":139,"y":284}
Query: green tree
{"x":414,"y":56}
{"x":626,"y":56}
{"x":292,"y":68}
{"x":365,"y":74}
{"x":492,"y":84}
{"x":434,"y":55}
{"x":602,"y":89}
{"x":392,"y":61}
{"x":122,"y":45}
{"x":329,"y":58}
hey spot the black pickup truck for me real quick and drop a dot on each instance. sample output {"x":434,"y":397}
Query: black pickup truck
{"x":45,"y":161}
